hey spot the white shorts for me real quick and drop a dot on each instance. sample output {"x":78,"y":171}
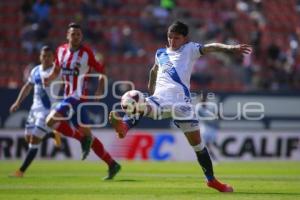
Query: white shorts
{"x":182,"y":113}
{"x":36,"y":123}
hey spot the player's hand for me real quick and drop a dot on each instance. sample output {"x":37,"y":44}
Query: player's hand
{"x":14,"y":107}
{"x":242,"y":49}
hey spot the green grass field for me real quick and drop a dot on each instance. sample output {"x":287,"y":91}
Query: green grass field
{"x":72,"y":180}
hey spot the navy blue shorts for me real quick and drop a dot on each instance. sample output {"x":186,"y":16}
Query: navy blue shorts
{"x":70,"y":107}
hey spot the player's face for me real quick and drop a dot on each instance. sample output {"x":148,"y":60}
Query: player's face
{"x":176,"y":40}
{"x":74,"y":36}
{"x":46,"y":58}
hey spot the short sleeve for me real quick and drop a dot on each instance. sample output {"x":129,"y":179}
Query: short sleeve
{"x":60,"y":54}
{"x":196,"y":49}
{"x":156,"y":60}
{"x":157,"y":55}
{"x":31,"y":76}
{"x":98,"y":67}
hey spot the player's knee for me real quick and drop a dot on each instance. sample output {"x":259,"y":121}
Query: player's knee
{"x":49,"y":121}
{"x":35,"y":140}
{"x":198,"y":147}
{"x":27,"y":138}
{"x":193,"y":137}
{"x":85,"y":130}
{"x":195,"y":140}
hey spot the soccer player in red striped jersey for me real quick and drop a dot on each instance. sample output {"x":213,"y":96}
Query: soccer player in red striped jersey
{"x":75,"y":61}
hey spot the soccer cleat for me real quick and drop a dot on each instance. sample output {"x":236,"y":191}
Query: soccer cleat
{"x":112,"y":171}
{"x":57,"y":139}
{"x":221,"y":187}
{"x":86,"y":145}
{"x":118,"y":124}
{"x":17,"y":174}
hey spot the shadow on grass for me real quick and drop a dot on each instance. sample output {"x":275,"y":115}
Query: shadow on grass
{"x":127,"y":180}
{"x":268,"y":193}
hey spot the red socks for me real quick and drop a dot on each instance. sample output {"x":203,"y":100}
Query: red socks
{"x":64,"y":128}
{"x":98,"y":148}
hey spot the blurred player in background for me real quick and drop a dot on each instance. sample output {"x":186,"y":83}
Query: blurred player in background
{"x":208,"y":121}
{"x":169,"y":86}
{"x":36,"y":128}
{"x":76,"y":61}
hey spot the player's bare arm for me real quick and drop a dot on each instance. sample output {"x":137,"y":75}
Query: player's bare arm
{"x":53,"y":75}
{"x":219,"y":47}
{"x":152,"y":78}
{"x":22,"y":95}
{"x":100,"y":87}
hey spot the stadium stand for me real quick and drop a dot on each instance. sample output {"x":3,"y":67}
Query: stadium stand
{"x":125,"y":34}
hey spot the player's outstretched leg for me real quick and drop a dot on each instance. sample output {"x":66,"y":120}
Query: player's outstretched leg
{"x":118,"y":124}
{"x":55,"y":136}
{"x":17,"y":174}
{"x":57,"y":139}
{"x":203,"y":158}
{"x":31,"y":154}
{"x":113,"y":169}
{"x":86,"y":144}
{"x":221,"y":187}
{"x":64,"y":128}
{"x":206,"y":164}
{"x":100,"y":151}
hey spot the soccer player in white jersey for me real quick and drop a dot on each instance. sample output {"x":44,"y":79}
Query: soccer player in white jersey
{"x":169,"y":85}
{"x":76,"y":61}
{"x":36,"y":128}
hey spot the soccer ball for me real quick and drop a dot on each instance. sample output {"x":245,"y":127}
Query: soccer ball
{"x":133,"y":102}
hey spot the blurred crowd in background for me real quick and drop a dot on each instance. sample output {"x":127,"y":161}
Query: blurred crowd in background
{"x":126,"y":33}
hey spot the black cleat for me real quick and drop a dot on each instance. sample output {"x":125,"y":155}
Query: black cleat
{"x":112,"y":171}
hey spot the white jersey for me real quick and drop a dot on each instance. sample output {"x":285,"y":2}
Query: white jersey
{"x":42,"y":97}
{"x":174,"y":72}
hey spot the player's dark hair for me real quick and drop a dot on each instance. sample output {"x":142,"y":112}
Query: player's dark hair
{"x":46,"y":48}
{"x":74,"y":25}
{"x":179,"y":27}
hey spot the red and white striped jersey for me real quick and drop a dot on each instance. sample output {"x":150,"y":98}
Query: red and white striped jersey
{"x":75,"y":65}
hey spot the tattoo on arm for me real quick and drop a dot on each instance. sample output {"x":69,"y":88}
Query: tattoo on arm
{"x":218,"y":47}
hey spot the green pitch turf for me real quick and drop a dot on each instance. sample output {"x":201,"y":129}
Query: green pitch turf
{"x":72,"y":180}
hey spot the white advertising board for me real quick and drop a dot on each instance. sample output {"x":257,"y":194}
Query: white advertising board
{"x":160,"y":145}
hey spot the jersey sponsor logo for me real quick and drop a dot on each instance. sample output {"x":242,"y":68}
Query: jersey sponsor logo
{"x":70,"y":72}
{"x":77,"y":64}
{"x":185,"y":109}
{"x":167,"y":67}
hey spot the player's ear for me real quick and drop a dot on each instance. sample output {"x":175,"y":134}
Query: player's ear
{"x":186,"y":38}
